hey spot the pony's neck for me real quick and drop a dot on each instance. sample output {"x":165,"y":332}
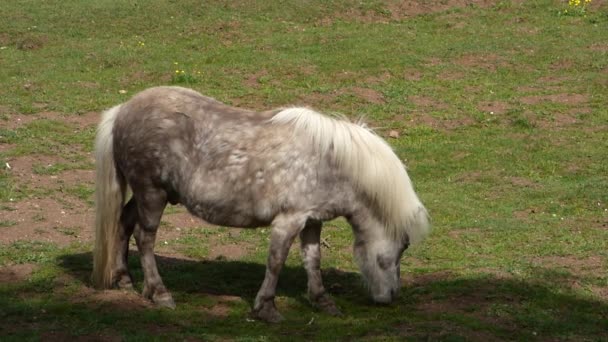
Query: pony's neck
{"x":363,"y":220}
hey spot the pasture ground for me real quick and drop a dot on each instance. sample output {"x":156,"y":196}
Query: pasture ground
{"x":499,"y":109}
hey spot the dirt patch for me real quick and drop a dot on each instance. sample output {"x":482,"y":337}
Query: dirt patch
{"x":554,"y":80}
{"x":540,"y":88}
{"x":229,"y":251}
{"x":460,"y":155}
{"x":43,"y":174}
{"x":53,"y":209}
{"x":83,"y":120}
{"x":493,"y":107}
{"x":422,"y":119}
{"x":378,"y":79}
{"x":428,"y":278}
{"x":451,"y":75}
{"x":400,"y":10}
{"x":427,"y":102}
{"x":46,"y":219}
{"x":469,"y":177}
{"x":369,"y":95}
{"x":412,"y":75}
{"x":16,"y":273}
{"x":403,"y":9}
{"x":599,"y":291}
{"x":6,"y":148}
{"x":523,"y":182}
{"x":31,"y":42}
{"x":218,"y":310}
{"x":253,"y":81}
{"x":61,"y":336}
{"x":489,"y":62}
{"x":526,"y":214}
{"x":433,"y":61}
{"x":79,"y":121}
{"x":578,"y":266}
{"x":562,"y":64}
{"x":566,"y":99}
{"x":182,"y":220}
{"x":600,"y":47}
{"x":31,"y":171}
{"x":15,"y":121}
{"x":557,"y":120}
{"x":319,"y":100}
{"x":121,"y":299}
{"x":222,"y":306}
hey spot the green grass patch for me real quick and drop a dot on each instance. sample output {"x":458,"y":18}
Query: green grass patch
{"x":501,"y":113}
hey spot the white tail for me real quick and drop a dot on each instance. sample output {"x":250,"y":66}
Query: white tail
{"x":370,"y":163}
{"x":109,"y":199}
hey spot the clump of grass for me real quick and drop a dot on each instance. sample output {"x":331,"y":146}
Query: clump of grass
{"x":7,"y":223}
{"x":82,"y":191}
{"x":522,"y":122}
{"x":51,"y":169}
{"x":576,"y":8}
{"x":22,"y":252}
{"x":182,"y":76}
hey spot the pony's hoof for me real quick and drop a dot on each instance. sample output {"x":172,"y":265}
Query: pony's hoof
{"x":332,"y":310}
{"x":123,"y":281}
{"x":327,"y":305}
{"x":268,"y":313}
{"x":164,"y":301}
{"x":124,"y":284}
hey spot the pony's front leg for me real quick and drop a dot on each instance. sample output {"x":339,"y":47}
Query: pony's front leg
{"x":310,"y":239}
{"x":284,"y":231}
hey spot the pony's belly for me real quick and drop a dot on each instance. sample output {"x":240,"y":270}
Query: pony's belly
{"x":227,"y":215}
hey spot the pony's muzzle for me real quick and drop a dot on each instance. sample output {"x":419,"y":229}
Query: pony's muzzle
{"x":386,"y":297}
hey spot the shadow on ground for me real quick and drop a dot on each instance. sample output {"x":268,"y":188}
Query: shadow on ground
{"x":435,"y":306}
{"x":220,"y":277}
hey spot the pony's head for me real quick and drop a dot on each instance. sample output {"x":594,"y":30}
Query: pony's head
{"x":378,"y":253}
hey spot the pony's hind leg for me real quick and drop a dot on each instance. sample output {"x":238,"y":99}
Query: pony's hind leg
{"x":150,"y":207}
{"x":128,"y":219}
{"x":310,"y":239}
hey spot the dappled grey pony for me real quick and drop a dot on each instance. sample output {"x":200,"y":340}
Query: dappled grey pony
{"x":291,"y":169}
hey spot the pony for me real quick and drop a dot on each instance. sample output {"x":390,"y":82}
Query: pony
{"x":290,"y":169}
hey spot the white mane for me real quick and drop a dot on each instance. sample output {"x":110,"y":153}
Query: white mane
{"x":371,"y":164}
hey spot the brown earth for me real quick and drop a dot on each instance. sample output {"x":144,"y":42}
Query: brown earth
{"x":16,"y":273}
{"x":16,"y":120}
{"x":399,"y":10}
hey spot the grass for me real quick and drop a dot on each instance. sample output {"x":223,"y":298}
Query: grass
{"x":502,"y":115}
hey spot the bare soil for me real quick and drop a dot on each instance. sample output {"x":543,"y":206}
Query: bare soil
{"x":565,"y":98}
{"x":77,"y":120}
{"x":16,"y":273}
{"x":368,"y":95}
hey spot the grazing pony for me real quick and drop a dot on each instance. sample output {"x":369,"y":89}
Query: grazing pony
{"x":290,"y":168}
